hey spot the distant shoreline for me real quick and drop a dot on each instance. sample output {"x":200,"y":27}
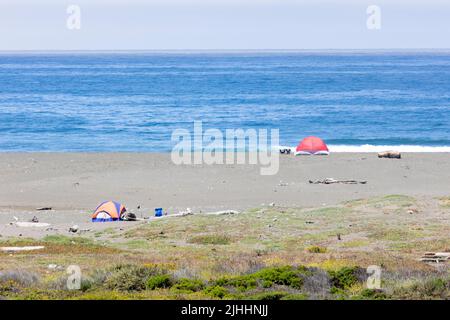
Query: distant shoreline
{"x":233,"y":51}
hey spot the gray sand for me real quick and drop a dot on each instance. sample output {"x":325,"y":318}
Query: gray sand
{"x":73,"y":184}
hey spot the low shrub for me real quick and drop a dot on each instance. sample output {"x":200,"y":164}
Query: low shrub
{"x":159,"y":281}
{"x":216,"y":291}
{"x":129,"y":277}
{"x":267,"y":296}
{"x":373,"y":294}
{"x":20,"y":277}
{"x":436,"y":288}
{"x":266,"y":278}
{"x":295,"y":296}
{"x":8,"y":287}
{"x":287,"y":275}
{"x":344,"y":278}
{"x":241,"y":283}
{"x":192,"y":285}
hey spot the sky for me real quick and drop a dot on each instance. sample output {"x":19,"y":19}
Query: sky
{"x":223,"y":24}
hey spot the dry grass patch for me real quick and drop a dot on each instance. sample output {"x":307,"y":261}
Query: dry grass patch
{"x":57,"y":245}
{"x":444,"y":202}
{"x":219,"y":239}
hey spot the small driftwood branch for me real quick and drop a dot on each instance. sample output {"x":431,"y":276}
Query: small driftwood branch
{"x":331,"y":181}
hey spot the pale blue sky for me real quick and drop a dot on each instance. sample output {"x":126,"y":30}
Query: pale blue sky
{"x":223,"y":24}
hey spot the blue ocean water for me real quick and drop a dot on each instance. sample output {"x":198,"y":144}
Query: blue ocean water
{"x":132,"y":101}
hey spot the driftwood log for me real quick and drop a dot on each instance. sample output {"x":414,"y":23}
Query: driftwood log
{"x":331,"y":181}
{"x":390,"y":155}
{"x":435,"y":257}
{"x":16,"y":249}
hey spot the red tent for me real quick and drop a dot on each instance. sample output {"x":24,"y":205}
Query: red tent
{"x":312,"y":145}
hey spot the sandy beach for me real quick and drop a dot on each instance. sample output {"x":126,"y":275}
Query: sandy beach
{"x":401,"y":213}
{"x":73,"y":184}
{"x":79,"y":181}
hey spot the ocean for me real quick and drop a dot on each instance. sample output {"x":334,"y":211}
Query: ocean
{"x":133,"y":101}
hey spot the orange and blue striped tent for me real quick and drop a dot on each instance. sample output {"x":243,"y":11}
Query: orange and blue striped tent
{"x":108,"y":211}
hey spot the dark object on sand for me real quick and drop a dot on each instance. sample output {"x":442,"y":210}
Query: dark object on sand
{"x":44,"y":209}
{"x":128,"y":216}
{"x":285,"y":151}
{"x":339,"y":236}
{"x":35,"y":219}
{"x":390,"y":155}
{"x":74,"y":229}
{"x":331,"y":181}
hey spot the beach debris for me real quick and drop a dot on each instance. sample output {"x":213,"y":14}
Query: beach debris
{"x":390,"y":154}
{"x":186,"y":212}
{"x":31,"y":224}
{"x":53,"y":266}
{"x":272,"y":204}
{"x":435,"y":257}
{"x":223,"y":212}
{"x":74,"y":229}
{"x":18,"y":249}
{"x":44,"y":209}
{"x":128,"y":216}
{"x":331,"y":181}
{"x":339,"y":236}
{"x":413,"y":211}
{"x":15,"y":218}
{"x":35,"y":219}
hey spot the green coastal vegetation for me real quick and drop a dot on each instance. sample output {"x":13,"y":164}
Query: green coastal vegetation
{"x":270,"y":253}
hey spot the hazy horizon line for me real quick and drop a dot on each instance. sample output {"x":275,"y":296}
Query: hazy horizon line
{"x":227,"y":50}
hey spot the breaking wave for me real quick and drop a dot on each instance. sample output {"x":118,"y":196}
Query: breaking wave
{"x":376,"y":148}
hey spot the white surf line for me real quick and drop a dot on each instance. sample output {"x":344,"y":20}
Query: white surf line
{"x":369,"y":148}
{"x":400,"y":148}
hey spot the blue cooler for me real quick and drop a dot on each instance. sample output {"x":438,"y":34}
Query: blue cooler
{"x":158,"y":212}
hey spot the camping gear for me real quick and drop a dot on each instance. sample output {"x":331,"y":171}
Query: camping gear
{"x":312,"y":145}
{"x":128,"y":216}
{"x":31,"y":224}
{"x":108,"y":211}
{"x":285,"y":151}
{"x":158,"y":212}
